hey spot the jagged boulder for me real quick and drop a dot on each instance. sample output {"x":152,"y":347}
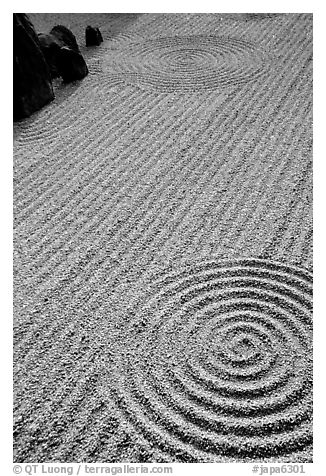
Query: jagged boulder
{"x":32,"y":87}
{"x":71,"y":65}
{"x":93,"y":36}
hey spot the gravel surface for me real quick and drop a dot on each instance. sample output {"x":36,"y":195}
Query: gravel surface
{"x":163,"y":245}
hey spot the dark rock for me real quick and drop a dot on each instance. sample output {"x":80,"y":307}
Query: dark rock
{"x":65,"y":37}
{"x":71,"y":65}
{"x":93,"y":36}
{"x":32,"y":86}
{"x":50,"y":47}
{"x":99,"y":35}
{"x":58,"y":58}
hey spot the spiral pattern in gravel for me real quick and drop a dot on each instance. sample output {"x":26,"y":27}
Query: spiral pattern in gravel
{"x":219,"y":362}
{"x":191,"y":63}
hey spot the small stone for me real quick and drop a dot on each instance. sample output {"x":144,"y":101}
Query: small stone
{"x":93,"y":36}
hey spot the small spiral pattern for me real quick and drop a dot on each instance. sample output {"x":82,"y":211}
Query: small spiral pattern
{"x":219,"y":361}
{"x":190,"y":63}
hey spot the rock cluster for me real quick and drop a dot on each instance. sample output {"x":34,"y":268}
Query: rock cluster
{"x":39,"y":58}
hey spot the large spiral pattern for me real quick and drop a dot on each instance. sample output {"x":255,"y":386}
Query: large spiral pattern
{"x":190,"y":63}
{"x":218,"y":362}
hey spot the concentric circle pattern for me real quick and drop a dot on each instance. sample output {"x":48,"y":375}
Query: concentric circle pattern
{"x":218,"y":361}
{"x":191,"y":63}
